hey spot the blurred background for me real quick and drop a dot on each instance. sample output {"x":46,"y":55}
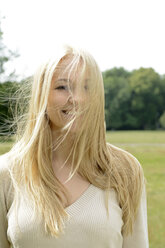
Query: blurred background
{"x":127,"y":39}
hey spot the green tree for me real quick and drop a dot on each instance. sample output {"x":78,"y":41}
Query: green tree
{"x":146,"y":99}
{"x":8,"y":87}
{"x":5,"y":56}
{"x":117,"y":95}
{"x":133,"y":100}
{"x":7,"y":106}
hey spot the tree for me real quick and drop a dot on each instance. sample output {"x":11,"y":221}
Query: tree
{"x":8,"y":87}
{"x":146,"y":102}
{"x":5,"y":55}
{"x":133,"y":100}
{"x":7,"y":105}
{"x":117,"y":95}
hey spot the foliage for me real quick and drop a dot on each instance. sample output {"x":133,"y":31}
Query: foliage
{"x":117,"y":95}
{"x":8,"y":87}
{"x":5,"y":56}
{"x":7,"y":105}
{"x":133,"y":100}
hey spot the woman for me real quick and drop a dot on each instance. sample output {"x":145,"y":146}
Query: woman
{"x":62,"y":185}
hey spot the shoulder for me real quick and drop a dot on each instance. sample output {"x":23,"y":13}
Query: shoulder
{"x":6,"y":184}
{"x":4,"y":163}
{"x":4,"y":169}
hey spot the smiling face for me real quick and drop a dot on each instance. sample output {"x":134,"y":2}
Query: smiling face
{"x":68,"y":93}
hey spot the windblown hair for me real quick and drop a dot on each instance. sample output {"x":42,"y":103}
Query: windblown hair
{"x":102,"y":164}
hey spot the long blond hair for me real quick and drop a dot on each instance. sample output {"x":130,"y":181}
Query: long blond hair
{"x":102,"y":164}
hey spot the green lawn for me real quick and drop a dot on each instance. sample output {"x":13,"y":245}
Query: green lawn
{"x":6,"y":143}
{"x":149,"y":148}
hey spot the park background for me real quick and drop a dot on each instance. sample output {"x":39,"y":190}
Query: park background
{"x":127,"y":39}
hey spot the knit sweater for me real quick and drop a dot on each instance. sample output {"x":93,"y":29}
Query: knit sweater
{"x":87,"y":227}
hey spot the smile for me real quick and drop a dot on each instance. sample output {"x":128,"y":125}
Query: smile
{"x":67,"y":113}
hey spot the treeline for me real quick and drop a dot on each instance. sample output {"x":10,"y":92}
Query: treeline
{"x":8,"y":106}
{"x":8,"y":87}
{"x":133,"y":100}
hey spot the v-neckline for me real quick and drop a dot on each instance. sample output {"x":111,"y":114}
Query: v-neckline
{"x":80,"y":203}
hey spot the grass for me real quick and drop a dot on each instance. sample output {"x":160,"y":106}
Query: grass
{"x":137,"y":137}
{"x":149,"y":148}
{"x":5,"y":144}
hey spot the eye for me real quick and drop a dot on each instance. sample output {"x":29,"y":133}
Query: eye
{"x":86,"y":87}
{"x":62,"y":87}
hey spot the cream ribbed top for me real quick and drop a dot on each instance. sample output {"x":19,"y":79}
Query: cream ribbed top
{"x":88,"y":226}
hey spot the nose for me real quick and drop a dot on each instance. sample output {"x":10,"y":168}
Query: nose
{"x":76,"y":97}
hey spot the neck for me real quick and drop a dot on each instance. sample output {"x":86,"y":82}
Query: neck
{"x":61,"y":152}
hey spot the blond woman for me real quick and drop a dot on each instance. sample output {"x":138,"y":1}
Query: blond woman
{"x":62,"y":185}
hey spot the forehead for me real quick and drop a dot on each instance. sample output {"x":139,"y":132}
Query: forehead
{"x":69,"y":67}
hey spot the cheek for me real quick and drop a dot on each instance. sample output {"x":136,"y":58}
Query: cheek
{"x":56,"y":100}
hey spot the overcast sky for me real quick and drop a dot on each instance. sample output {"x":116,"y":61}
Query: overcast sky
{"x":128,"y":33}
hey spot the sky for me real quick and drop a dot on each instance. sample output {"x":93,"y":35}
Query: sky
{"x":127,"y":33}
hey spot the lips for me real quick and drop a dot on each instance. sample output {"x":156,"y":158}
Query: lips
{"x":65,"y":111}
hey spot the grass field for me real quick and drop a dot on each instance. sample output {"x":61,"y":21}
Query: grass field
{"x":149,"y":148}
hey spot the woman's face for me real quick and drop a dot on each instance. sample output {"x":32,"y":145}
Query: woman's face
{"x":65,"y":97}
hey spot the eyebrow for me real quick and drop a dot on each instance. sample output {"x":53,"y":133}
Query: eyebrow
{"x":63,"y":80}
{"x":68,"y":80}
